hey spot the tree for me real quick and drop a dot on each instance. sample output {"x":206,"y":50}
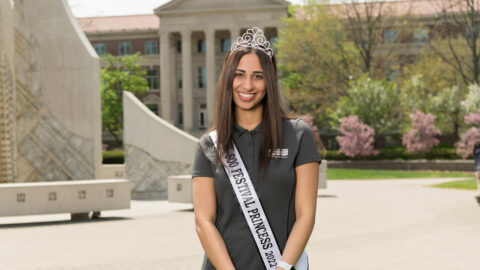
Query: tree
{"x":375,"y":102}
{"x":375,"y":28}
{"x":461,"y":52}
{"x":415,"y":95}
{"x":119,"y":74}
{"x":428,"y":65}
{"x":446,"y":106}
{"x":472,"y":101}
{"x":423,"y":137}
{"x":315,"y":59}
{"x":357,"y":138}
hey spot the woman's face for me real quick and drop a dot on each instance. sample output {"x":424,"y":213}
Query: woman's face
{"x":249,"y":83}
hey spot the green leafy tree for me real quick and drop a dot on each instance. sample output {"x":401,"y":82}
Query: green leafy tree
{"x":315,"y":59}
{"x":444,"y":103}
{"x":429,"y":65}
{"x":472,"y":101}
{"x":375,"y":102}
{"x":119,"y":74}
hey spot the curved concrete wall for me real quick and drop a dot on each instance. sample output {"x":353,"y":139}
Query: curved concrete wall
{"x":8,"y":168}
{"x":58,"y":95}
{"x":154,"y":150}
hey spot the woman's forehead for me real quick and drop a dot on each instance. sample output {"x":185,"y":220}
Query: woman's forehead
{"x":250,"y":62}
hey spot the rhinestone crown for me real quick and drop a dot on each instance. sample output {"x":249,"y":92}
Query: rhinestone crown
{"x":253,"y":38}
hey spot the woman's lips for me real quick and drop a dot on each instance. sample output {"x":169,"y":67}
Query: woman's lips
{"x":245,"y":96}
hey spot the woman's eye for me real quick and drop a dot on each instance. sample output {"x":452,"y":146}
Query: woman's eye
{"x":238,"y":74}
{"x":259,"y":77}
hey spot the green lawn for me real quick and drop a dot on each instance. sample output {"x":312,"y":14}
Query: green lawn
{"x":470,"y":184}
{"x":335,"y":174}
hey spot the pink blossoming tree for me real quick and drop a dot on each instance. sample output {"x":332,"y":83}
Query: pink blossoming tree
{"x":423,"y":137}
{"x":471,"y":137}
{"x":357,"y":138}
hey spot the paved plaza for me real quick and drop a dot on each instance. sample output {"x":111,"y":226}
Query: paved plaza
{"x":392,"y":224}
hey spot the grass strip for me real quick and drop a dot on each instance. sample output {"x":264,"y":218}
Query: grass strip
{"x":350,"y":174}
{"x":470,"y":184}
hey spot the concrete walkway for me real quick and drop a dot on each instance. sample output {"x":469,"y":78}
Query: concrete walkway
{"x":395,"y":224}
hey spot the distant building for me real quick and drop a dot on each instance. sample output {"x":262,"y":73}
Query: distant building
{"x":184,"y":96}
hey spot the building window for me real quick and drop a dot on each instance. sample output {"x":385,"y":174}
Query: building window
{"x":100,"y":48}
{"x":153,"y":107}
{"x":226,"y":43}
{"x":390,"y":36}
{"x":201,"y":45}
{"x":468,"y":31}
{"x":180,"y":113}
{"x":202,"y":119}
{"x":151,"y":47}
{"x":125,"y":48}
{"x":180,"y":76}
{"x":179,"y":46}
{"x":202,"y":77}
{"x":420,"y":35}
{"x":272,"y":40}
{"x":152,"y":78}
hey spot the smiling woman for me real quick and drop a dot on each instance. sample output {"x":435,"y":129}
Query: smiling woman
{"x":257,"y":210}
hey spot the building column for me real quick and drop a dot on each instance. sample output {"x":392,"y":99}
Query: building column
{"x":211,"y":85}
{"x":165,"y":96}
{"x":187,"y":93}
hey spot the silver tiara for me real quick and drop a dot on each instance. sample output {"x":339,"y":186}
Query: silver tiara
{"x":253,"y":38}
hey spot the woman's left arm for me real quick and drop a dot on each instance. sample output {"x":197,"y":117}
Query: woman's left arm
{"x":305,"y":207}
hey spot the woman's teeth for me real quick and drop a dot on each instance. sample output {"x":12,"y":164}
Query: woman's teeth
{"x":246,"y":95}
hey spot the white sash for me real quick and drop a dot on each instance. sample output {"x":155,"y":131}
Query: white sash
{"x":253,"y":210}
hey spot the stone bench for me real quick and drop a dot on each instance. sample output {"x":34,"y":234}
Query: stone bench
{"x":81,"y":198}
{"x":180,"y":189}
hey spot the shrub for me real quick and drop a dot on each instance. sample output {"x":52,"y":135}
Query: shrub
{"x":357,"y":138}
{"x":422,"y":138}
{"x":468,"y":139}
{"x":399,"y":153}
{"x":113,"y":157}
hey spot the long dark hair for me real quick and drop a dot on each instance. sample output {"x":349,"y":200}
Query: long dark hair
{"x":273,"y":112}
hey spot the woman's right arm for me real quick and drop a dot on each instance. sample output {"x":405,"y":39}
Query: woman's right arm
{"x":205,"y":205}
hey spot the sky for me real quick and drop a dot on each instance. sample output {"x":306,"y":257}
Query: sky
{"x":94,"y":8}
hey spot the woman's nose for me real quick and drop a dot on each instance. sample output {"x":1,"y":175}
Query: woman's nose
{"x":248,"y":84}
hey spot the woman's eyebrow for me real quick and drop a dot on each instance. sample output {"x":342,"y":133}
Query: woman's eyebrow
{"x":243,"y":71}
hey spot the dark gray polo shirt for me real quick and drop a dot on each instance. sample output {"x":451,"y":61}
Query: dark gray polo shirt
{"x":276,"y":189}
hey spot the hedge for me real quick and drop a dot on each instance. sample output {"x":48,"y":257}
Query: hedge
{"x":113,"y":157}
{"x":399,"y":153}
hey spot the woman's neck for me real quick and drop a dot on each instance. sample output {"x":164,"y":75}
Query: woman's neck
{"x":248,"y":119}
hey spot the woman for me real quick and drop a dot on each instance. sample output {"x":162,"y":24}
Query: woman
{"x":279,"y":154}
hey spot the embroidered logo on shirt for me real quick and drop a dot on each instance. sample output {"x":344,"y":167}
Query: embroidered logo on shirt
{"x":280,"y":153}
